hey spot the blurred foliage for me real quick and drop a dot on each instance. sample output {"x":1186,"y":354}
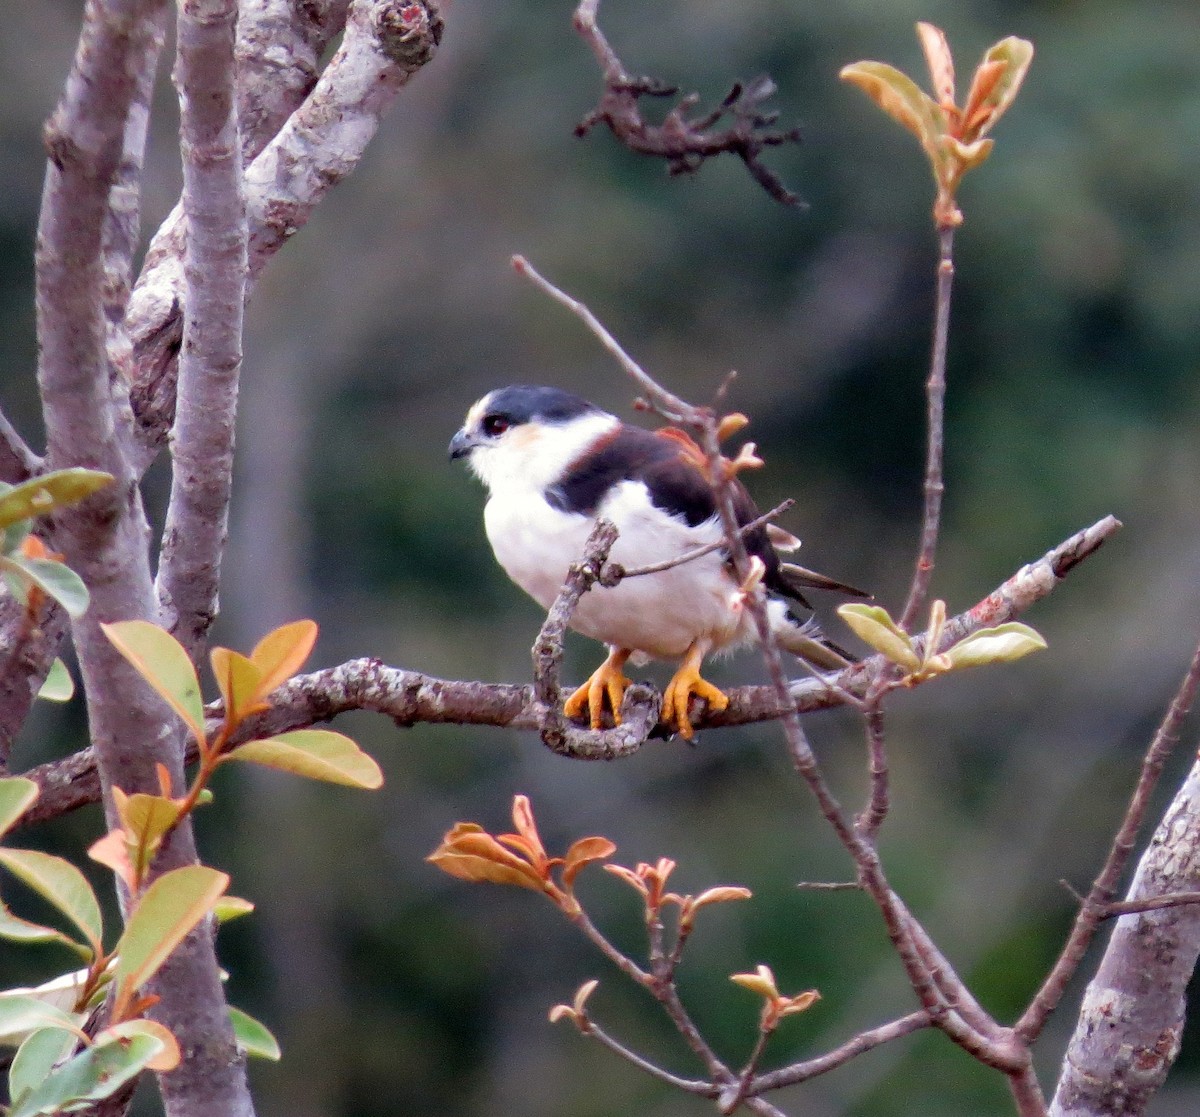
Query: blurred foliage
{"x":1073,"y":393}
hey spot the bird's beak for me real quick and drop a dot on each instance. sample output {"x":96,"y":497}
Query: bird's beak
{"x":462,"y":444}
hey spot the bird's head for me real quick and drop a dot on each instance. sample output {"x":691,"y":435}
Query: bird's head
{"x":525,"y":437}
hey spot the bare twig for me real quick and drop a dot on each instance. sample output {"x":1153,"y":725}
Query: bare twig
{"x":935,"y":395}
{"x":1102,"y":891}
{"x":872,"y":815}
{"x":688,"y":1085}
{"x":17,"y":461}
{"x":684,"y":141}
{"x":852,"y":1048}
{"x":616,"y":571}
{"x":211,"y":358}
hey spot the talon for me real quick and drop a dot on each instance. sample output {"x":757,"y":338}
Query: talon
{"x":607,"y":682}
{"x":686,"y":682}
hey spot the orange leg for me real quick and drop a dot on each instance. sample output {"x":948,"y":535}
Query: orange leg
{"x":686,"y":682}
{"x":607,"y":681}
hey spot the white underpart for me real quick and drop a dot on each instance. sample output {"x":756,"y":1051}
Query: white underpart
{"x":658,"y":615}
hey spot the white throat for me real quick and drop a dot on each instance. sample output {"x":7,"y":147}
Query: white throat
{"x":534,"y":456}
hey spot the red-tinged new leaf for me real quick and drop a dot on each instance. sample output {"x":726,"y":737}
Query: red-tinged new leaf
{"x":1016,"y":56}
{"x":584,"y":852}
{"x":280,"y":654}
{"x":939,"y":61}
{"x":16,"y":797}
{"x":318,"y":754}
{"x":167,"y":911}
{"x":239,"y":681}
{"x":112,"y":851}
{"x":62,"y":885}
{"x":905,"y":102}
{"x":160,"y":659}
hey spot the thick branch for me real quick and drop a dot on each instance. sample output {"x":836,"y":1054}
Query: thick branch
{"x":1131,"y":1022}
{"x":211,"y":359}
{"x":1095,"y":906}
{"x":411,"y":698}
{"x":385,"y":44}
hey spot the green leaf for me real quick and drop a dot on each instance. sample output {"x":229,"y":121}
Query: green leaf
{"x":54,"y":579}
{"x":319,"y":754}
{"x":873,"y":625}
{"x":21,"y":1015}
{"x":36,"y":1058}
{"x":16,"y":929}
{"x":52,"y":490}
{"x":95,"y":1073}
{"x":145,"y":819}
{"x":167,"y":911}
{"x":60,"y":883}
{"x":1002,"y":644}
{"x":16,"y":796}
{"x":13,"y":536}
{"x":231,"y":907}
{"x":160,"y":659}
{"x":253,"y":1037}
{"x":58,"y":685}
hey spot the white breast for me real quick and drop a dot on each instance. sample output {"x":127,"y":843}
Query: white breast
{"x":659,"y":615}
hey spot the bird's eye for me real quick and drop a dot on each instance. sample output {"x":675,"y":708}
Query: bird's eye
{"x":494,"y":425}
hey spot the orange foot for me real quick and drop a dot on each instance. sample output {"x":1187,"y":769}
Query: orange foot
{"x":683,"y":685}
{"x":607,"y":682}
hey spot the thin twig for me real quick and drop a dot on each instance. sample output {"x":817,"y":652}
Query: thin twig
{"x":872,"y":815}
{"x":852,"y":1048}
{"x":620,"y":572}
{"x":1100,"y":896}
{"x":689,"y":1085}
{"x":935,"y":393}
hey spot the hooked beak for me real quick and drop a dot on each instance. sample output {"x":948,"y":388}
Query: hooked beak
{"x":462,"y":444}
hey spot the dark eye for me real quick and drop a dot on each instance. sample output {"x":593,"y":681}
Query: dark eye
{"x":494,"y":425}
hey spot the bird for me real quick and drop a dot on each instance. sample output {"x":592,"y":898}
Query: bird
{"x":553,"y":463}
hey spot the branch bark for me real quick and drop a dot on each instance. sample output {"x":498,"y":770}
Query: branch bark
{"x":1131,"y":1021}
{"x":211,"y":359}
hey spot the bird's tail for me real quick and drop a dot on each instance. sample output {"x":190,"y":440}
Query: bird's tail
{"x":795,"y":579}
{"x":805,"y":639}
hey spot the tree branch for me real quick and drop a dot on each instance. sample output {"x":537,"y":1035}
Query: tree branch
{"x":1131,"y":1021}
{"x":211,"y":359}
{"x":684,"y":141}
{"x":385,"y":44}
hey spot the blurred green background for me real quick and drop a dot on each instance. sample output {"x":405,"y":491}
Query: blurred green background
{"x":1073,"y":393}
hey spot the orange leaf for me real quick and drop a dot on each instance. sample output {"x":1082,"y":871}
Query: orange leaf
{"x":112,"y":851}
{"x":584,"y":852}
{"x":280,"y":654}
{"x":239,"y":680}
